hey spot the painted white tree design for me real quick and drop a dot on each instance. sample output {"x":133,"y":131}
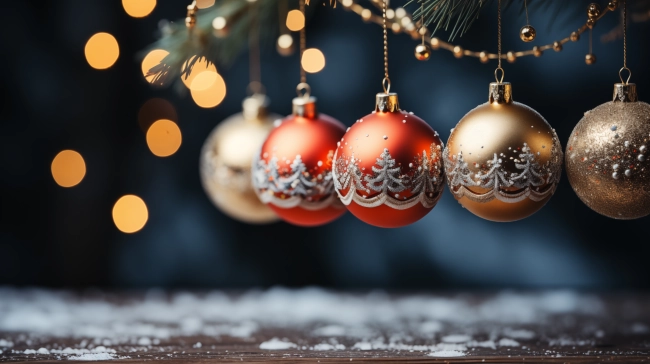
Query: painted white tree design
{"x":386,"y":176}
{"x":530,"y":174}
{"x":494,"y":177}
{"x":460,"y":175}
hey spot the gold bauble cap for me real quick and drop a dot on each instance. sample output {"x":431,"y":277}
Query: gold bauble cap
{"x":305,"y":106}
{"x":500,"y":93}
{"x":255,"y":107}
{"x":386,"y":102}
{"x":625,"y":92}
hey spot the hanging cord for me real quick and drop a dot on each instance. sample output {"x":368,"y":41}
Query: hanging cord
{"x":496,"y":71}
{"x":620,"y":73}
{"x":303,"y":43}
{"x":422,"y":21}
{"x":526,"y":7}
{"x":255,"y":67}
{"x":386,"y":81}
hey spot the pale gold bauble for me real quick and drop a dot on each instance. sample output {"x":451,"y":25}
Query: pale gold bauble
{"x":503,"y":160}
{"x":607,"y":157}
{"x":226,"y":161}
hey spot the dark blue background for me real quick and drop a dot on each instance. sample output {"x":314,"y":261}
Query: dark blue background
{"x":52,"y":100}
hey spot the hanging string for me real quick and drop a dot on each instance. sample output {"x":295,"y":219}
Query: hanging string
{"x":496,"y":71}
{"x":255,"y":67}
{"x":526,"y":7}
{"x":422,"y":21}
{"x":303,"y":43}
{"x":620,"y":72}
{"x":386,"y":81}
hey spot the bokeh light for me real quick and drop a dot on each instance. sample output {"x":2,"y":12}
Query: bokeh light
{"x":203,"y":4}
{"x":130,"y":214}
{"x":219,"y":23}
{"x":212,"y":95}
{"x":152,"y":59}
{"x":295,"y":20}
{"x":138,"y":8}
{"x":285,"y":41}
{"x":313,"y":60}
{"x":164,"y":138}
{"x":155,"y":109}
{"x":199,"y":67}
{"x":68,"y":168}
{"x":102,"y":51}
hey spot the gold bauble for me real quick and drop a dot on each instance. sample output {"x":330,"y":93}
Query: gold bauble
{"x":227,"y":157}
{"x":557,"y":46}
{"x":590,"y":58}
{"x":607,"y":157}
{"x":527,"y":33}
{"x":422,"y":52}
{"x":593,"y":11}
{"x":503,"y":160}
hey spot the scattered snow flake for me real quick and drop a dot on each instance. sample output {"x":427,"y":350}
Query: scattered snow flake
{"x":277,"y":344}
{"x":447,"y":353}
{"x":508,"y":342}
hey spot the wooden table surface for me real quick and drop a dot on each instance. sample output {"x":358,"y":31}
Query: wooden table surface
{"x":314,"y":325}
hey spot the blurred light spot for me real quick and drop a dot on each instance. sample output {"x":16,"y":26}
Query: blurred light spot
{"x":153,"y":58}
{"x":130,"y":214}
{"x":400,"y":12}
{"x":164,"y":138}
{"x":219,"y":23}
{"x":366,"y":14}
{"x":204,"y":81}
{"x":295,"y":20}
{"x":199,"y":67}
{"x":285,"y":41}
{"x":390,"y":13}
{"x":211,"y":96}
{"x":202,"y":4}
{"x":68,"y":168}
{"x":313,"y":60}
{"x":155,"y":109}
{"x":102,"y":51}
{"x":138,"y":8}
{"x":347,"y":3}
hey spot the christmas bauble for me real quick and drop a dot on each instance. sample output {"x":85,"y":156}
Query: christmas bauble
{"x":503,"y":160}
{"x":293,"y":170}
{"x":607,"y":156}
{"x":527,"y":33}
{"x":226,"y":161}
{"x":388,"y":169}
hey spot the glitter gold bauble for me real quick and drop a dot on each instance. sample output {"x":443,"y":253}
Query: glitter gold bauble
{"x":388,"y":169}
{"x":227,"y":157}
{"x":503,"y":160}
{"x":607,"y":157}
{"x":293,"y":170}
{"x":527,"y":33}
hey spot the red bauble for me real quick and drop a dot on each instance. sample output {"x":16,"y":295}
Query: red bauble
{"x":388,"y":168}
{"x":293,"y":171}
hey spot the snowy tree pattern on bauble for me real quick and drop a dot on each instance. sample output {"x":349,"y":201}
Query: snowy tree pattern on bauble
{"x":389,"y":183}
{"x":532,"y":180}
{"x":294,"y":186}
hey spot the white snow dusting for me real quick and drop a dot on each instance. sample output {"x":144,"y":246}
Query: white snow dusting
{"x":277,"y":344}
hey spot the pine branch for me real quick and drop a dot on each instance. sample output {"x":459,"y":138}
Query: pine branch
{"x":186,"y":47}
